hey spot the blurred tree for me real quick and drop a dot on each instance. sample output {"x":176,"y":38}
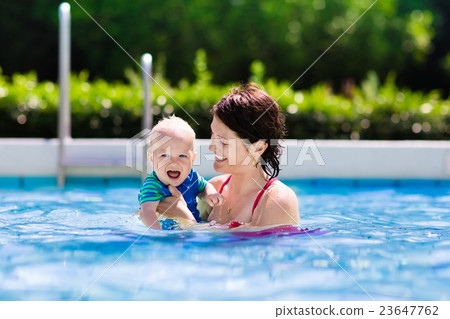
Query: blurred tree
{"x":28,"y":42}
{"x":287,"y":36}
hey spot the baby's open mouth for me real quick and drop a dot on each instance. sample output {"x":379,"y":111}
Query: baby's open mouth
{"x":173,"y":174}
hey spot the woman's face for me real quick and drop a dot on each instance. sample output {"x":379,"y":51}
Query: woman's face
{"x":232,"y":155}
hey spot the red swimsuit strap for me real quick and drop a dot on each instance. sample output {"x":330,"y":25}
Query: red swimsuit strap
{"x":224,"y":183}
{"x":261,"y":192}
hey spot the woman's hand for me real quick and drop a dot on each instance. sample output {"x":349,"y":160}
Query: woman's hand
{"x":175,"y":206}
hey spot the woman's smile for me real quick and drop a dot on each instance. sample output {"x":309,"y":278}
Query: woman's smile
{"x":220,"y":158}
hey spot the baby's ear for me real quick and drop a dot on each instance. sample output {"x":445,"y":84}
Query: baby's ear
{"x":150,"y":156}
{"x":194,"y":157}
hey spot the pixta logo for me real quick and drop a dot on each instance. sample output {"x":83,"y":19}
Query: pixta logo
{"x":137,"y":148}
{"x":139,"y":145}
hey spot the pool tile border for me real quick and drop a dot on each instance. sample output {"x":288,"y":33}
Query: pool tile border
{"x":31,"y":182}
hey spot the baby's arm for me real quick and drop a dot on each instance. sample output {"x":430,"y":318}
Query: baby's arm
{"x":212,"y":197}
{"x":148,"y":214}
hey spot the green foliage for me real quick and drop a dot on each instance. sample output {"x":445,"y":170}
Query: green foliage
{"x":28,"y":108}
{"x":202,"y":75}
{"x":419,"y":28}
{"x":286,"y":35}
{"x":257,"y":72}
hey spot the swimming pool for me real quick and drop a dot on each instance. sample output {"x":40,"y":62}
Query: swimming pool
{"x":385,"y":241}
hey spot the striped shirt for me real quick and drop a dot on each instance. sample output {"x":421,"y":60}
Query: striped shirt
{"x":154,"y":190}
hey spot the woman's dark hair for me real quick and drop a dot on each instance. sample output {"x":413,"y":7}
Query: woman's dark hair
{"x":254,"y":115}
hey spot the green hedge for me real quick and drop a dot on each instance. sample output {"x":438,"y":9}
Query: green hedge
{"x":28,"y":108}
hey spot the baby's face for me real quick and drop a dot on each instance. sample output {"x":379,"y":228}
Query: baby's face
{"x":173,"y":159}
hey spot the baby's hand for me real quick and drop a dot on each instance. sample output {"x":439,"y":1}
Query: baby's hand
{"x":215,"y":199}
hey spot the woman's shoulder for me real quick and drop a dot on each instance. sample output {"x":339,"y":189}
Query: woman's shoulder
{"x":281,"y":192}
{"x":279,"y":206}
{"x":218,"y":181}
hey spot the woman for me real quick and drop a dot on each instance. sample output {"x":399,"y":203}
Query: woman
{"x":246,"y":129}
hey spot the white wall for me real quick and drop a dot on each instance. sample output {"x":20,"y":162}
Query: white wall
{"x":301,"y":159}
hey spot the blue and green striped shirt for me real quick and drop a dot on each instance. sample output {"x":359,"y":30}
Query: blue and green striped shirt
{"x":154,"y":190}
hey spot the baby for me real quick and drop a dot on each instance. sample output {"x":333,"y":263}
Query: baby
{"x":172,"y":153}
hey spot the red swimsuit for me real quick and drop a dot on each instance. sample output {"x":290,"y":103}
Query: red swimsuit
{"x":235,"y":223}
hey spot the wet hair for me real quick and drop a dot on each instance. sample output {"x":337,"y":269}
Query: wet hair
{"x":254,"y":115}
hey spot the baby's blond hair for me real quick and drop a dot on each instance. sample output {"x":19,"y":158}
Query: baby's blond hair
{"x":170,"y":126}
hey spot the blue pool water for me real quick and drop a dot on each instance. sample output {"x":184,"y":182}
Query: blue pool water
{"x":384,"y":242}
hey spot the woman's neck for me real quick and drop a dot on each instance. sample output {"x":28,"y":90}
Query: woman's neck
{"x":248,"y":182}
